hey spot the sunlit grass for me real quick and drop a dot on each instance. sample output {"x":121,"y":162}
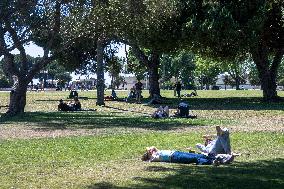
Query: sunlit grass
{"x":80,"y":161}
{"x":44,"y":148}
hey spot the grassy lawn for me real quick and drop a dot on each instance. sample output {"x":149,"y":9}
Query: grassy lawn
{"x":48,"y":149}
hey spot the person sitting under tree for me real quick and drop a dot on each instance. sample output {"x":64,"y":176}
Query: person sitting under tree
{"x":138,"y":91}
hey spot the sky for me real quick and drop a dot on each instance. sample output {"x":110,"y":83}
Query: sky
{"x":35,"y":51}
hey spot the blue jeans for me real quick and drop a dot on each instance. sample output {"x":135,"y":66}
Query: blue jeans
{"x":185,"y":157}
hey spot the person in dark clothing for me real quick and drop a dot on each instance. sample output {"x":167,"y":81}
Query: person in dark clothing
{"x":77,"y":104}
{"x":178,"y":88}
{"x":138,"y":90}
{"x":73,"y":94}
{"x":62,"y":106}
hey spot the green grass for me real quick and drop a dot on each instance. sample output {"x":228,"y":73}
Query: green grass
{"x":44,"y":148}
{"x":36,"y":163}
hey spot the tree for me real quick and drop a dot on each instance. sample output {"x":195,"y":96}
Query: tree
{"x":181,"y":66}
{"x":280,"y":77}
{"x":207,"y":71}
{"x":114,"y":66}
{"x":238,"y":71}
{"x":231,"y":28}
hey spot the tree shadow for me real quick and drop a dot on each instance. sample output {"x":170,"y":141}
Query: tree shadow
{"x":259,"y":174}
{"x":231,"y":103}
{"x":46,"y":121}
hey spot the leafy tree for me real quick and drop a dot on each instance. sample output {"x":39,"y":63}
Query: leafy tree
{"x":114,"y":66}
{"x":58,"y":72}
{"x":237,"y":70}
{"x":230,"y":28}
{"x":22,"y":22}
{"x":181,"y":66}
{"x":207,"y":71}
{"x":135,"y":66}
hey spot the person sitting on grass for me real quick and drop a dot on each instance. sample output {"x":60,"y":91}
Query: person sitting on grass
{"x":183,"y":111}
{"x":161,"y":112}
{"x":172,"y":156}
{"x":75,"y":106}
{"x":219,"y":145}
{"x":62,"y":106}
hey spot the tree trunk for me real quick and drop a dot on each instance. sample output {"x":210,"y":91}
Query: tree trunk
{"x":152,"y":65}
{"x":100,"y":73}
{"x":153,"y":68}
{"x":17,"y":99}
{"x":267,"y":73}
{"x":237,"y":82}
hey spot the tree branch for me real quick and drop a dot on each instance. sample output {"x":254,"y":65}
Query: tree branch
{"x":19,"y":45}
{"x":277,"y":60}
{"x":140,"y":55}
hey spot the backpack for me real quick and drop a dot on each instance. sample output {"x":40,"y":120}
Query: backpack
{"x":183,"y":110}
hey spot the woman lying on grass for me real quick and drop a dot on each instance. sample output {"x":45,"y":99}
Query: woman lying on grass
{"x":154,"y":155}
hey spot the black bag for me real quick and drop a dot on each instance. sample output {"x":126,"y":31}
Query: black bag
{"x":183,"y":111}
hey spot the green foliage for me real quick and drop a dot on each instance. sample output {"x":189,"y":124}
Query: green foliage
{"x":180,"y":65}
{"x":207,"y":71}
{"x":135,"y":66}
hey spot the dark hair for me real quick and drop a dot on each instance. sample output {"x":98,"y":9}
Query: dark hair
{"x":145,"y":156}
{"x":60,"y":100}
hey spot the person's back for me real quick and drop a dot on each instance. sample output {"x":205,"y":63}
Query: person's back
{"x":138,"y":85}
{"x":77,"y":104}
{"x":63,"y":106}
{"x":183,"y":109}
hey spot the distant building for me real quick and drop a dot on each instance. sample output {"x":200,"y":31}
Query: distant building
{"x":130,"y":83}
{"x":221,"y":84}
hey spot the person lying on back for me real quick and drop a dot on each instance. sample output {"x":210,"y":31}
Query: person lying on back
{"x":172,"y":156}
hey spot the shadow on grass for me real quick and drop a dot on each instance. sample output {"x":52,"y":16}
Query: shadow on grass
{"x":233,"y":103}
{"x":46,"y":121}
{"x":260,"y":174}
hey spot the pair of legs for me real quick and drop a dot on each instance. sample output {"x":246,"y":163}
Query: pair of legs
{"x":161,"y":112}
{"x":138,"y":96}
{"x":220,"y":145}
{"x":178,"y":93}
{"x":185,"y":157}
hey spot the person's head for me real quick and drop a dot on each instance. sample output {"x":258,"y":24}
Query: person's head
{"x":151,"y":149}
{"x":146,"y":156}
{"x":60,"y":101}
{"x":219,"y":130}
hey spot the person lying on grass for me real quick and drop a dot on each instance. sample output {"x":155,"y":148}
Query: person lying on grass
{"x":161,"y":112}
{"x":171,"y":156}
{"x":219,"y":145}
